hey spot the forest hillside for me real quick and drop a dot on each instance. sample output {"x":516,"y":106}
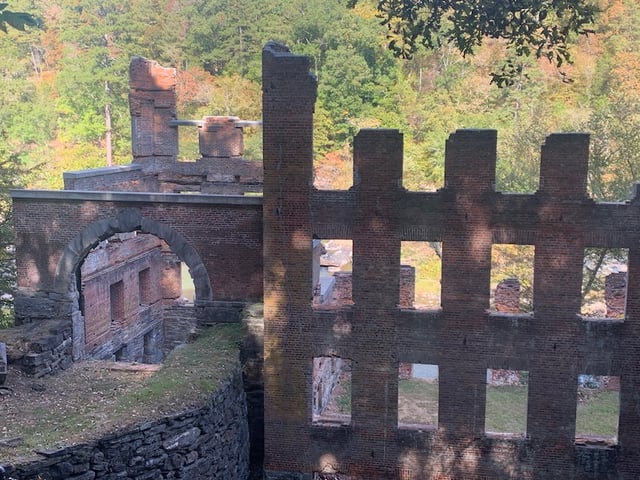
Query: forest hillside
{"x":64,"y":83}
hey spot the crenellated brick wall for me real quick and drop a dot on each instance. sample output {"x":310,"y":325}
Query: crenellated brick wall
{"x":463,"y":338}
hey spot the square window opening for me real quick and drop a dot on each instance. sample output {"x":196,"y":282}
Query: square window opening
{"x":332,"y":272}
{"x":188,"y":146}
{"x":604,"y":283}
{"x":331,"y":396}
{"x":333,"y":171}
{"x":512,"y":278}
{"x":506,"y":401}
{"x":116,"y":299}
{"x":121,"y":355}
{"x":598,"y":409}
{"x":420,"y":275}
{"x":418,"y":396}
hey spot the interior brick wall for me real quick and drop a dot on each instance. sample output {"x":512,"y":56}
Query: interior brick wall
{"x":554,"y":344}
{"x":120,"y":263}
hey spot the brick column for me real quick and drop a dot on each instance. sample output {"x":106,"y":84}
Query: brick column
{"x":466,"y":266}
{"x":376,"y":294}
{"x":629,"y":424}
{"x":289,"y":93}
{"x":559,"y":255}
{"x":152,"y":104}
{"x":219,"y":137}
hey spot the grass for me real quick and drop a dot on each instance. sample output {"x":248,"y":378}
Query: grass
{"x":95,"y":398}
{"x":418,"y":402}
{"x":506,"y":407}
{"x":598,"y":414}
{"x":344,"y":399}
{"x":185,"y":377}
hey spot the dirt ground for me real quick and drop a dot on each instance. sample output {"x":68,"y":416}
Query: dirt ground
{"x":55,"y":411}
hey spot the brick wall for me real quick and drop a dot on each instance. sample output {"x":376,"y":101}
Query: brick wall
{"x":219,"y":240}
{"x":121,"y":314}
{"x":554,"y":344}
{"x":615,"y":294}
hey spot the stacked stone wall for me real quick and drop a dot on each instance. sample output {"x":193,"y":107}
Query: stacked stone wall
{"x":180,"y":326}
{"x":210,"y":441}
{"x":40,"y":348}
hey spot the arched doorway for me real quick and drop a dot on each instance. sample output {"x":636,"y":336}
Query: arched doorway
{"x":120,"y":275}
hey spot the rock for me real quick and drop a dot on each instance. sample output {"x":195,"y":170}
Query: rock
{"x":183,"y":440}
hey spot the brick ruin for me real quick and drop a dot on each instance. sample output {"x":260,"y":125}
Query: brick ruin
{"x":98,"y":264}
{"x":241,"y":248}
{"x":554,"y":344}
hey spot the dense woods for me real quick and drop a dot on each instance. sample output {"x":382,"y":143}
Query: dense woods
{"x":64,"y":78}
{"x":63,"y":81}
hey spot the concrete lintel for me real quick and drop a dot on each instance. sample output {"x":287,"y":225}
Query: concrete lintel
{"x":98,"y":172}
{"x":134,"y":197}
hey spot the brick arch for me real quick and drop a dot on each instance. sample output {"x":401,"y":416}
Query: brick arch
{"x":129,"y":220}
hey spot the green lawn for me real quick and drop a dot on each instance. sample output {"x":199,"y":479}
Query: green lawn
{"x":598,"y":415}
{"x":506,"y":408}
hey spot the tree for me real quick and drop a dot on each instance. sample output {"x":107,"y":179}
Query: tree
{"x":17,"y":20}
{"x":11,"y":173}
{"x":541,"y":28}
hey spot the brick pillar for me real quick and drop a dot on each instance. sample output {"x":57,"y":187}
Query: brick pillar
{"x":466,"y":267}
{"x":557,"y":292}
{"x":629,"y":358}
{"x":507,"y":296}
{"x":152,"y":104}
{"x":219,"y":137}
{"x":376,"y":294}
{"x":170,"y":277}
{"x":289,"y":93}
{"x":615,"y":294}
{"x":564,"y":165}
{"x":407,"y":286}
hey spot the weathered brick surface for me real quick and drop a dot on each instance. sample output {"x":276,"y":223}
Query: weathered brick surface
{"x":615,"y":294}
{"x":221,"y":243}
{"x":554,"y":344}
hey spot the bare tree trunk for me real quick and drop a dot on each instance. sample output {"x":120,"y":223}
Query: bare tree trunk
{"x":107,"y":115}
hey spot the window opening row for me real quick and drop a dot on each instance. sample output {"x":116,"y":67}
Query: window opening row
{"x":604,"y":277}
{"x":117,"y":295}
{"x":597,"y":407}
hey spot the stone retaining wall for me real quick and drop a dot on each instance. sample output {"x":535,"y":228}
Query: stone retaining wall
{"x":203,"y":443}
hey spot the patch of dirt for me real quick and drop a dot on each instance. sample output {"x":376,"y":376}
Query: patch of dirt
{"x":35,"y":410}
